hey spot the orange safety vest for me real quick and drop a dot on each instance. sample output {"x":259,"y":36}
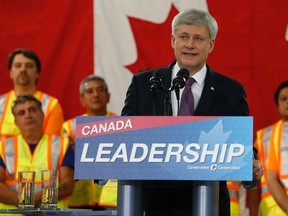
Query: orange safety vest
{"x":17,"y":156}
{"x":53,"y":118}
{"x":86,"y":193}
{"x":278,"y":156}
{"x":264,"y":139}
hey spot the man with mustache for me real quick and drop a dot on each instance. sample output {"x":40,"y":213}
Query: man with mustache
{"x":25,"y":68}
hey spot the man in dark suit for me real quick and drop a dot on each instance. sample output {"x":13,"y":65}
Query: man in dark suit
{"x":193,"y":36}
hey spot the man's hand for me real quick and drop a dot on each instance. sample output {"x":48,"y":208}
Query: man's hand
{"x":258,"y":170}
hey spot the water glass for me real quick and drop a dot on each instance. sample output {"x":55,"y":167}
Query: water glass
{"x":26,"y":189}
{"x":49,"y":190}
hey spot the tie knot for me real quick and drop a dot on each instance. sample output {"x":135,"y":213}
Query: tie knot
{"x":190,"y":81}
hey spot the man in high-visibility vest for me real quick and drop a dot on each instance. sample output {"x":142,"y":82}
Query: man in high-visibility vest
{"x":33,"y":150}
{"x":25,"y":68}
{"x":260,"y":199}
{"x":94,"y":97}
{"x":277,"y":171}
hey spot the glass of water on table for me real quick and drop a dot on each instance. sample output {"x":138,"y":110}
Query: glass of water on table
{"x":26,"y":189}
{"x":49,"y":188}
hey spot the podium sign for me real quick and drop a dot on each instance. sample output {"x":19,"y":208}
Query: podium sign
{"x":164,"y":148}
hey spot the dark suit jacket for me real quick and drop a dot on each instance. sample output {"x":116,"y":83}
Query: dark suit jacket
{"x":221,"y":96}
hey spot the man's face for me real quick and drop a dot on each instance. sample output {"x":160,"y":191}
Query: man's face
{"x":95,"y":96}
{"x":283,"y":103}
{"x":23,"y":71}
{"x":28,"y":117}
{"x":192,"y":46}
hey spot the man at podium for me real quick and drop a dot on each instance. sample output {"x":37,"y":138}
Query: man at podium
{"x":208,"y":94}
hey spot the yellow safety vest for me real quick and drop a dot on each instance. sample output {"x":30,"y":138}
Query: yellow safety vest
{"x":264,"y":139}
{"x":48,"y":154}
{"x":233,"y":187}
{"x":280,"y":145}
{"x":86,"y":193}
{"x":108,"y":194}
{"x":53,"y":119}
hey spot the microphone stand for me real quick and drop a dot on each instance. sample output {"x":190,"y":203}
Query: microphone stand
{"x":167,"y":100}
{"x":154,"y":103}
{"x":177,"y":92}
{"x":167,"y":104}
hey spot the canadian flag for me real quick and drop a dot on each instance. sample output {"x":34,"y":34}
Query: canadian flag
{"x":118,"y":38}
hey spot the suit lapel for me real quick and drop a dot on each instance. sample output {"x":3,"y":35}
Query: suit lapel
{"x":208,"y":95}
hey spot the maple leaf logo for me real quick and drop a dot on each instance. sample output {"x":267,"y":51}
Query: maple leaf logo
{"x":153,"y":43}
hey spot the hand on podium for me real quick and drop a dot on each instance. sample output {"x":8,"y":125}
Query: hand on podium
{"x":258,"y":172}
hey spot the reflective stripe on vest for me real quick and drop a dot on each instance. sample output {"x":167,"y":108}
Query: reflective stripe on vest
{"x":234,"y":196}
{"x":73,"y":127}
{"x":55,"y":151}
{"x":45,"y":103}
{"x":2,"y":106}
{"x":9,"y":156}
{"x":283,"y":144}
{"x":285,"y":182}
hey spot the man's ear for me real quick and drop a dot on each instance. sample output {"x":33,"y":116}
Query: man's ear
{"x":172,"y":41}
{"x":211,"y":45}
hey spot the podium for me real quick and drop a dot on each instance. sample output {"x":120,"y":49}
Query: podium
{"x":203,"y":150}
{"x":205,"y":198}
{"x":129,"y":198}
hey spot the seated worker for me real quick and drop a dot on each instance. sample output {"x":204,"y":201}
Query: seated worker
{"x":94,"y":97}
{"x":33,"y":150}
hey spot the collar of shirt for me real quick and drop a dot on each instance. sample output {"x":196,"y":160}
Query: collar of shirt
{"x":197,"y":87}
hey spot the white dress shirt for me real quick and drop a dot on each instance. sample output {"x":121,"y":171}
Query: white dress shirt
{"x":197,"y":87}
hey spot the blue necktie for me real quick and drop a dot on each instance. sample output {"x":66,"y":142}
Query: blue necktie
{"x":187,"y":99}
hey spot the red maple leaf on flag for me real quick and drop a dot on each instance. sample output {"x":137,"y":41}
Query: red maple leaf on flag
{"x":153,"y":43}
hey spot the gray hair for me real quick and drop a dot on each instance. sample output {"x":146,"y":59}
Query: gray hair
{"x":198,"y":18}
{"x":91,"y":77}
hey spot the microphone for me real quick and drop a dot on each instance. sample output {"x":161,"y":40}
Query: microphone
{"x":155,"y":81}
{"x":180,"y":79}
